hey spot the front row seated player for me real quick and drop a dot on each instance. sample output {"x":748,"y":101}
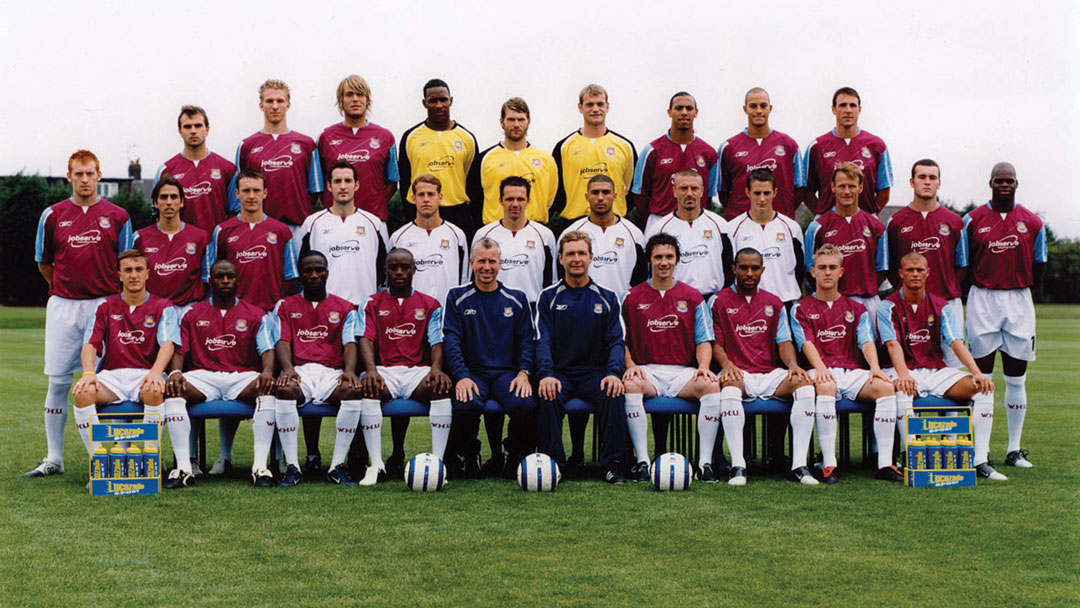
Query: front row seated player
{"x":401,"y":351}
{"x":580,"y":353}
{"x":914,"y":326}
{"x":834,"y":333}
{"x":668,"y":351}
{"x":756,"y":358}
{"x":316,"y":350}
{"x":488,"y":341}
{"x":231,"y":347}
{"x":134,"y":332}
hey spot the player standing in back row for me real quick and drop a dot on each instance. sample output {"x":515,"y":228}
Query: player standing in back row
{"x":1003,"y":235}
{"x":592,"y":150}
{"x":443,"y":147}
{"x":205,"y":176}
{"x":76,"y":246}
{"x":369,"y":148}
{"x":758,"y":146}
{"x":846,"y":143}
{"x":288,"y":159}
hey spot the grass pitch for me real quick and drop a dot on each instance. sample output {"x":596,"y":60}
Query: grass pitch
{"x":862,"y":542}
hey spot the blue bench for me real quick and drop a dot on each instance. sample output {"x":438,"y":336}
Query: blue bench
{"x":682,"y":435}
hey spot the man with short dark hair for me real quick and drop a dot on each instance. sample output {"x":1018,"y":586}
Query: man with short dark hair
{"x":777,"y":237}
{"x":580,"y":353}
{"x":758,"y":146}
{"x":668,"y":351}
{"x":678,"y":149}
{"x":231,"y":348}
{"x":928,"y":228}
{"x":445,"y":148}
{"x":592,"y":150}
{"x":514,"y":155}
{"x":846,"y":143}
{"x":367,"y":147}
{"x":206,"y":176}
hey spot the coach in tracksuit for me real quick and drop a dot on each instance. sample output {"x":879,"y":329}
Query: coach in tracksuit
{"x":488,"y":342}
{"x":580,"y":353}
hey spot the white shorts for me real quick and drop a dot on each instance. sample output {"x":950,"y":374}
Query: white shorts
{"x":66,"y":321}
{"x":219,"y":385}
{"x":956,"y":305}
{"x":124,"y":382}
{"x":1001,"y":319}
{"x":668,"y":380}
{"x":932,"y":381}
{"x":762,"y":385}
{"x":871,"y":304}
{"x":848,"y":381}
{"x":402,"y":380}
{"x":317,"y":381}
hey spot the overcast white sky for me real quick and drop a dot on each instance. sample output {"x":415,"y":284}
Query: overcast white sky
{"x":966,"y":83}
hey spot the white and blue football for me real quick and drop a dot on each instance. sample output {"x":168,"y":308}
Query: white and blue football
{"x":425,"y":473}
{"x":538,"y":473}
{"x":672,"y":472}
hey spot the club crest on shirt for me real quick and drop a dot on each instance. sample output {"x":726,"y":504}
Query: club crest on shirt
{"x":149,"y":321}
{"x":866,"y":231}
{"x":215,"y":174}
{"x":530,"y":244}
{"x":780,"y":236}
{"x":700,"y":161}
{"x":620,"y":242}
{"x":865,"y":152}
{"x":780,"y":151}
{"x":536,"y":163}
{"x":271,"y":238}
{"x":419,"y":314}
{"x":707,"y":235}
{"x":241,"y":325}
{"x":334,"y":317}
{"x":849,"y":317}
{"x":681,"y":306}
{"x":508,"y":312}
{"x":190,"y":248}
{"x":116,"y":317}
{"x":769,"y":311}
{"x":598,"y":308}
{"x":105,"y":223}
{"x":360,"y":230}
{"x":943,"y":230}
{"x":1020,"y":227}
{"x":375,"y":144}
{"x":295,"y":148}
{"x":444,"y":244}
{"x":459,"y":145}
{"x":930,"y":318}
{"x":611,"y":151}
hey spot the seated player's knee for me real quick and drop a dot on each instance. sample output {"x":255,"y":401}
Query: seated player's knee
{"x":636,"y":386}
{"x":151,"y":397}
{"x":826,"y":389}
{"x":289,"y":393}
{"x":472,"y":407}
{"x":878,"y":388}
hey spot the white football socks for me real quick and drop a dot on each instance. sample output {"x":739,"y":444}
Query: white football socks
{"x":825,"y":410}
{"x":348,"y":417}
{"x":1015,"y":408}
{"x":708,"y":425}
{"x":288,"y":423}
{"x":440,"y":415}
{"x":637,"y":425}
{"x":982,"y":421}
{"x":884,"y":428}
{"x":733,"y":417}
{"x":56,"y":413}
{"x":904,"y":402}
{"x":262,"y":427}
{"x":802,"y":425}
{"x":83,"y":415}
{"x":371,"y":422}
{"x":153,"y":414}
{"x":179,"y":425}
